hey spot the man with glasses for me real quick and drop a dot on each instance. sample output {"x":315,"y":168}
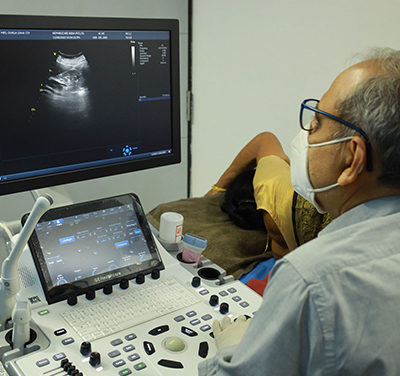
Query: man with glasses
{"x":333,"y":305}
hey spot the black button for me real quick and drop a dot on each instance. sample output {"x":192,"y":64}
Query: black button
{"x":203,"y":349}
{"x":60,"y":332}
{"x":149,"y":348}
{"x":159,"y":330}
{"x":188,"y":332}
{"x":170,"y":363}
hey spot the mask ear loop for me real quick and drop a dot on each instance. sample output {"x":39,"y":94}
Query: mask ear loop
{"x":331,"y":142}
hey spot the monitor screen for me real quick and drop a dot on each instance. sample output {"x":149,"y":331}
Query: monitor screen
{"x":88,"y":245}
{"x":86,"y":97}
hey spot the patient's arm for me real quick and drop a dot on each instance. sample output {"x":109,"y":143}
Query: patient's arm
{"x":263,"y":144}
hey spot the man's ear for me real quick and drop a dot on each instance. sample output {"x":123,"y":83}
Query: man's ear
{"x":356,"y":160}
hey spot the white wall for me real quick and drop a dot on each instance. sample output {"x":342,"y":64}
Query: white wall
{"x":153,"y":186}
{"x":254,"y":61}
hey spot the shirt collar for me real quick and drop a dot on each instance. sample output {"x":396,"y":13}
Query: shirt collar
{"x":379,"y":207}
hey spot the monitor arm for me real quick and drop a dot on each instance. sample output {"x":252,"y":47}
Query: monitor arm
{"x":9,"y":280}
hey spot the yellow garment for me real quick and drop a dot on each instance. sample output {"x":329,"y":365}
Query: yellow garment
{"x":273,"y":193}
{"x":307,"y":219}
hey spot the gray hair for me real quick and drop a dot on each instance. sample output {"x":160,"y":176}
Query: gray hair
{"x":374,"y":106}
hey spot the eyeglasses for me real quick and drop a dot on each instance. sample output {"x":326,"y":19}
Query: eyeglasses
{"x":309,"y":108}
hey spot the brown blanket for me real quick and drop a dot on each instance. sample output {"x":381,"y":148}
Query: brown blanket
{"x":234,"y":249}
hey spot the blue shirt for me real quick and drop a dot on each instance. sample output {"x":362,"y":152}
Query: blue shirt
{"x":331,"y":307}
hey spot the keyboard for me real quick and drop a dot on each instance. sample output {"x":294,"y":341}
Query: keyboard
{"x":112,"y":314}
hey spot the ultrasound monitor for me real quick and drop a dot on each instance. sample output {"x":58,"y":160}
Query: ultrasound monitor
{"x":85,"y":98}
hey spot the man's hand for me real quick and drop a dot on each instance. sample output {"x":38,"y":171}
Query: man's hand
{"x":229,"y":333}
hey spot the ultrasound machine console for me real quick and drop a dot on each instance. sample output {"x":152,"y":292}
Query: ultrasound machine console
{"x":107,"y":299}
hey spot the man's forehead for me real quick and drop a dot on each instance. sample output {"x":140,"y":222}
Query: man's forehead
{"x":345,"y":83}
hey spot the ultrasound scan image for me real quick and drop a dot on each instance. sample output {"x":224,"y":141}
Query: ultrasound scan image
{"x":66,"y":89}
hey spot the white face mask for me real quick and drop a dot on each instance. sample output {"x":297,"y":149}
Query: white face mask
{"x":299,"y":167}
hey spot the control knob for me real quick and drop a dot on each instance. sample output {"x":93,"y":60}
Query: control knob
{"x":140,"y":279}
{"x":213,"y":300}
{"x":94,"y":360}
{"x":72,"y":300}
{"x":155,"y":273}
{"x":107,"y":289}
{"x":86,"y":348}
{"x":224,"y":308}
{"x":90,"y":294}
{"x":196,"y":281}
{"x":124,"y":284}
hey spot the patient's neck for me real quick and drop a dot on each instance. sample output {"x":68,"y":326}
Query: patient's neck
{"x":278,"y":249}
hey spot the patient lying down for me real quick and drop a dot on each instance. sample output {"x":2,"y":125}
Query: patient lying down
{"x":252,"y":216}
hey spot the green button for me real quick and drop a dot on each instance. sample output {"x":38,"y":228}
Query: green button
{"x":139,"y":366}
{"x":125,"y":372}
{"x":44,"y":312}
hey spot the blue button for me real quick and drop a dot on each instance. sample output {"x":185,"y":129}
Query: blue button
{"x":122,"y":244}
{"x":68,"y":239}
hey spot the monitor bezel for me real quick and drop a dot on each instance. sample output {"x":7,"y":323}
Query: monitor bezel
{"x":103,"y":23}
